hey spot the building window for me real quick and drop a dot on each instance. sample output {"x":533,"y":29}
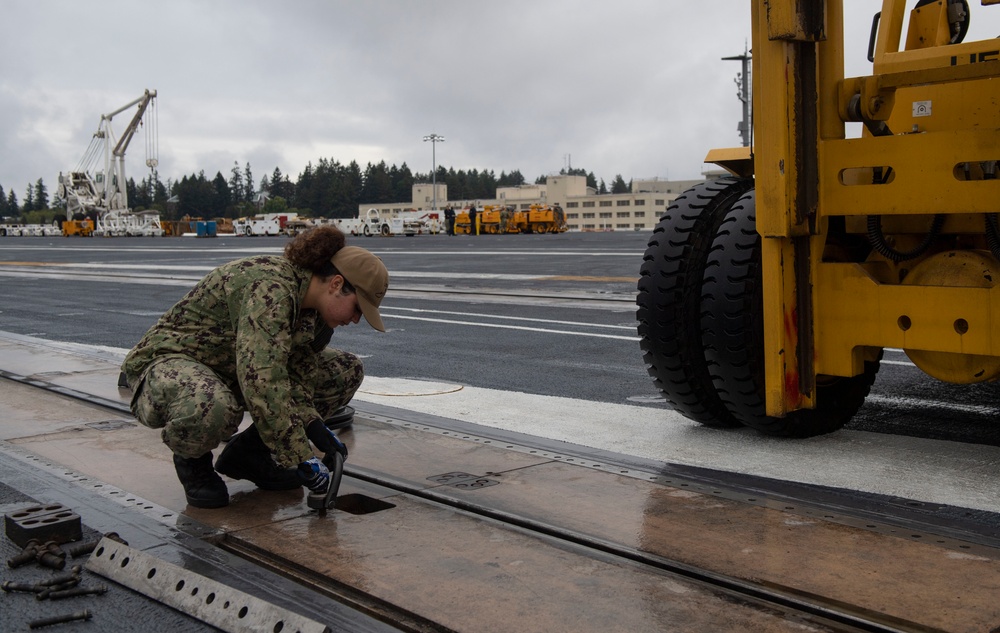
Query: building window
{"x":588,"y":226}
{"x":640,"y":226}
{"x":659,"y":214}
{"x":572,"y":205}
{"x":659,"y":203}
{"x":640,"y":214}
{"x":622,"y":226}
{"x":588,"y":215}
{"x":624,"y":203}
{"x":623,"y":214}
{"x":572,"y":216}
{"x":605,"y":214}
{"x":588,"y":203}
{"x":605,"y":203}
{"x":640,"y":203}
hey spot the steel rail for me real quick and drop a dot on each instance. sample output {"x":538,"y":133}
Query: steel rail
{"x":826,"y":612}
{"x":785,"y":598}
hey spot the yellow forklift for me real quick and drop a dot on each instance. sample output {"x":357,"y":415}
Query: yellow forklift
{"x":766,"y":298}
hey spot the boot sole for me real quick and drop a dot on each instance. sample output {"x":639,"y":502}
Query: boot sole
{"x":207,"y":504}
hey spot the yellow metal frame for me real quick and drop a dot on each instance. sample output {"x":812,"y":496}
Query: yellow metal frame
{"x":823,"y":316}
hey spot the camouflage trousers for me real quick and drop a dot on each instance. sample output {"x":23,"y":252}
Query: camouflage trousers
{"x":197,"y":411}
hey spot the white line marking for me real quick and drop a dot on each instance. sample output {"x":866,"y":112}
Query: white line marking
{"x":514,"y":327}
{"x":509,"y":318}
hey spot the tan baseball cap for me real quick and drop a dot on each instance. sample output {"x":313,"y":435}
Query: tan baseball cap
{"x":370,"y":279}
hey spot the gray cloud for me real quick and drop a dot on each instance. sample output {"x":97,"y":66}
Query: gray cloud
{"x":635,"y":87}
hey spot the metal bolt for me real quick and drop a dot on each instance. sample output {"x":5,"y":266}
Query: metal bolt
{"x":78,"y":591}
{"x":10,"y":585}
{"x":60,"y":619}
{"x":81,"y":549}
{"x":46,"y":592}
{"x":28,"y":554}
{"x":52,"y":556}
{"x":50,"y":560}
{"x":58,"y":579}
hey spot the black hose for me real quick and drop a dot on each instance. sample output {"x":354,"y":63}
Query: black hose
{"x":993,"y":234}
{"x":877,"y":239}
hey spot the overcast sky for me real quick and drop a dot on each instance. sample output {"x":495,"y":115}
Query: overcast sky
{"x":636,"y":88}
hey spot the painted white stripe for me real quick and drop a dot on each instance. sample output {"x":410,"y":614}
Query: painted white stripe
{"x":507,"y":318}
{"x":139,"y":268}
{"x":921,"y":404}
{"x":512,"y":327}
{"x":547,"y":251}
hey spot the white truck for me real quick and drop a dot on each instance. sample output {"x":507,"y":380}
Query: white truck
{"x":29,"y":230}
{"x":259,"y":225}
{"x":371,"y":224}
{"x":409,"y":223}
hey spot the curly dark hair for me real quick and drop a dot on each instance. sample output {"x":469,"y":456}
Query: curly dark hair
{"x":314,"y":248}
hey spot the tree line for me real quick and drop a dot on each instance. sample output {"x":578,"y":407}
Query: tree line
{"x":327,"y":188}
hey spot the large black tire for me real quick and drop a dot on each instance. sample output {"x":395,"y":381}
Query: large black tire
{"x":668,"y":299}
{"x":733,"y":336}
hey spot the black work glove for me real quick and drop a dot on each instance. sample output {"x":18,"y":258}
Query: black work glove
{"x":324,"y":439}
{"x":314,"y":475}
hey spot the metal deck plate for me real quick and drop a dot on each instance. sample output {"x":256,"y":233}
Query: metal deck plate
{"x":203,"y":598}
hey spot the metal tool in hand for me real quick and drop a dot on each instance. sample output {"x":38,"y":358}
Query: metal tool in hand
{"x":326,"y":501}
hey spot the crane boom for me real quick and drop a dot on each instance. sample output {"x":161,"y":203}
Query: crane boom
{"x":96,"y":190}
{"x":97,"y":187}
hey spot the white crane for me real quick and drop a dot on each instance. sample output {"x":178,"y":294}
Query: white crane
{"x":97,"y":184}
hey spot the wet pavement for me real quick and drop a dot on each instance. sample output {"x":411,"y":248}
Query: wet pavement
{"x":420,"y":537}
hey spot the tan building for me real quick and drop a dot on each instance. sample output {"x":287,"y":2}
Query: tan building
{"x":586,"y":210}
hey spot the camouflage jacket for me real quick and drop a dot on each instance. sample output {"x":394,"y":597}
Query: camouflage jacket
{"x":245,"y":321}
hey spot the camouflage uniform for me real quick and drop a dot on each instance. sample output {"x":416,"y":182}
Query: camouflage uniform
{"x":240,"y":340}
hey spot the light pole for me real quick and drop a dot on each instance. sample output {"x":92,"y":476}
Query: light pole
{"x":434,"y":139}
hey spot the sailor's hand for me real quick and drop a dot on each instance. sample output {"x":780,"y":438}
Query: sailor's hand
{"x":314,"y":475}
{"x":324,"y":439}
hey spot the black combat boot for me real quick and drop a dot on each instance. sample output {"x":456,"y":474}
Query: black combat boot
{"x":202,"y":486}
{"x":247,"y":457}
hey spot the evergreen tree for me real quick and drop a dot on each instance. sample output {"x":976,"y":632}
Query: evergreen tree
{"x":618,"y":185}
{"x":513,"y":179}
{"x":29,"y":200}
{"x":281,"y":186}
{"x":236,"y":183}
{"x":303,"y":188}
{"x":275,"y":183}
{"x":161,"y":192}
{"x":352,"y":191}
{"x":3,"y":202}
{"x":195,"y":196}
{"x":603,"y":188}
{"x":401,"y":181}
{"x":376,"y":187}
{"x":248,"y":191}
{"x":223,"y":199}
{"x":41,"y":195}
{"x":12,"y":208}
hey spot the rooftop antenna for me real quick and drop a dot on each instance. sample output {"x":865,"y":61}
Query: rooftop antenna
{"x":743,"y":93}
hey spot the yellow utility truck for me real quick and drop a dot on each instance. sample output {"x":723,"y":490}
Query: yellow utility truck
{"x":766,"y":298}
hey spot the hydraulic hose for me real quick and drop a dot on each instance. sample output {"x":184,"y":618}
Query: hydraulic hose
{"x":878,"y":242}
